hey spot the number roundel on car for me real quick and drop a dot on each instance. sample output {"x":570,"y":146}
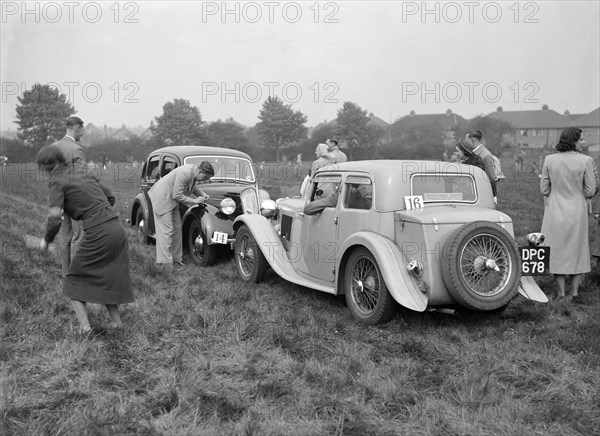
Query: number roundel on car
{"x":480,"y":266}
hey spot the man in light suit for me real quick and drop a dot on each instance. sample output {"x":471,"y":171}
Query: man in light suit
{"x":176,"y":187}
{"x":71,"y":232}
{"x":338,"y":155}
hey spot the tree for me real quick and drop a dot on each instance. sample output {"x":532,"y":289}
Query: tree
{"x":179,"y":124}
{"x":279,"y":125}
{"x":41,"y":115}
{"x":354,"y":129}
{"x":227,"y":134}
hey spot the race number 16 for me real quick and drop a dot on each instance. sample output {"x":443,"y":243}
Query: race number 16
{"x":413,"y":201}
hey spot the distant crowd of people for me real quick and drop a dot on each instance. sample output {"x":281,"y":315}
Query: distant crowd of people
{"x":94,"y":244}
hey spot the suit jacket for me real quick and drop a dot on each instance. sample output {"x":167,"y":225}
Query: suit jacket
{"x":338,"y":155}
{"x":175,"y":187}
{"x":71,"y":150}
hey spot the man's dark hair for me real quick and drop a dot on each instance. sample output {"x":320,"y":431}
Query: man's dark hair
{"x":476,"y":133}
{"x":74,"y":121}
{"x":568,"y":139}
{"x":207,"y":168}
{"x":333,"y":140}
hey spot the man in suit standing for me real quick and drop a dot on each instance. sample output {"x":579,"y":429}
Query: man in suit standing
{"x":166,"y":194}
{"x":473,"y":142}
{"x":70,"y":233}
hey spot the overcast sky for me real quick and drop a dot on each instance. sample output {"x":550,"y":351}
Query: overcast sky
{"x":119,"y":63}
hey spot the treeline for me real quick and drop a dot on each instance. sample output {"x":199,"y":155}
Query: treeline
{"x":280,"y":134}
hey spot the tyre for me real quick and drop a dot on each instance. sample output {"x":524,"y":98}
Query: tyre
{"x":249,"y":260}
{"x":367,"y":295}
{"x":141,"y":227}
{"x":480,"y":266}
{"x":201,"y":252}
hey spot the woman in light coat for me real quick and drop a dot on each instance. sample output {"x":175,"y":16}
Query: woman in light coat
{"x":568,"y":181}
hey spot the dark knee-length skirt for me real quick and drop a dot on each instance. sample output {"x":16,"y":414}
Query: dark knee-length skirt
{"x":99,"y":271}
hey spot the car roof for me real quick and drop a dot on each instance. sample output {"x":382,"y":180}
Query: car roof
{"x":394,"y":176}
{"x":385,"y":169}
{"x":187,"y":150}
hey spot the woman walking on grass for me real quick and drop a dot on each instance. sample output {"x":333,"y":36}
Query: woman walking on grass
{"x":99,"y":271}
{"x":568,"y":180}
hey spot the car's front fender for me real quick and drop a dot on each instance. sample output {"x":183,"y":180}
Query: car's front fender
{"x":402,"y":285}
{"x":209,"y":221}
{"x":272,"y":248}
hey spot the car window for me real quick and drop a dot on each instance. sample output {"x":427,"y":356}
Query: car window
{"x":152,"y":170}
{"x":323,"y":186}
{"x":359,"y":193}
{"x":440,"y":187}
{"x":167,"y":166}
{"x":226,"y":167}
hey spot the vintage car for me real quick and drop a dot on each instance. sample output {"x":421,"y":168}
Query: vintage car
{"x":424,"y":234}
{"x":207,"y":227}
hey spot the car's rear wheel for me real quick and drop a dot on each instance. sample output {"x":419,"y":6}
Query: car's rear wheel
{"x":481,"y":266}
{"x":367,"y":295}
{"x":201,"y":252}
{"x":141,"y":227}
{"x":249,"y":260}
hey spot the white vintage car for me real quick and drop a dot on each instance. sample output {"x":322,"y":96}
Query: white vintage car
{"x":423,"y":234}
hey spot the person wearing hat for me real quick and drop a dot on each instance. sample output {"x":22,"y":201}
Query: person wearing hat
{"x":466,"y":156}
{"x":70,"y":233}
{"x":176,"y":187}
{"x":472,"y":143}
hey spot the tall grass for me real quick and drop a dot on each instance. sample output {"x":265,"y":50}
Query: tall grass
{"x":204,"y":354}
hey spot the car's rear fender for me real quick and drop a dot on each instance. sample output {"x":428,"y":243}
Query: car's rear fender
{"x":402,"y":285}
{"x":274,"y":252}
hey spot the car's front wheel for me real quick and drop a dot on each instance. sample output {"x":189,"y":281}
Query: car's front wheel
{"x":481,"y":266}
{"x":367,"y":295}
{"x":201,"y":252}
{"x":249,"y":260}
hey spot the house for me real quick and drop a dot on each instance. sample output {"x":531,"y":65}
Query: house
{"x":533,"y":129}
{"x":590,"y":123}
{"x":447,"y":124}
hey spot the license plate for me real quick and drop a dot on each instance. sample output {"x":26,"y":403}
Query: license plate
{"x":535,"y":261}
{"x":219,"y":238}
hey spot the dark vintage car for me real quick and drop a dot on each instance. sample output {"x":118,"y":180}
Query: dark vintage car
{"x":206,"y":228}
{"x":425,"y":235}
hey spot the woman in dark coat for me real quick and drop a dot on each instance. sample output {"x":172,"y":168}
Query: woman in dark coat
{"x":99,"y":271}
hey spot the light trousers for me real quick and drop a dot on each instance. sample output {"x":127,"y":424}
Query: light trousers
{"x":169,"y":244}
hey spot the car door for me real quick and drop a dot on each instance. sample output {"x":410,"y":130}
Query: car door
{"x":355,"y":207}
{"x":317,"y":250}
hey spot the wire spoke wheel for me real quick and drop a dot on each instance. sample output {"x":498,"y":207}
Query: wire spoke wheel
{"x":481,"y":266}
{"x":249,"y":260}
{"x":367,"y":295}
{"x":485,"y":264}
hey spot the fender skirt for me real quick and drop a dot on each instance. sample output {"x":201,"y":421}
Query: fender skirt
{"x":272,"y":248}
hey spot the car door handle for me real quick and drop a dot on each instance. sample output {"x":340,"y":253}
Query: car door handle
{"x":335,"y":221}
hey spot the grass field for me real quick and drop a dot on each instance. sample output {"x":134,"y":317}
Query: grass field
{"x":204,"y":354}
